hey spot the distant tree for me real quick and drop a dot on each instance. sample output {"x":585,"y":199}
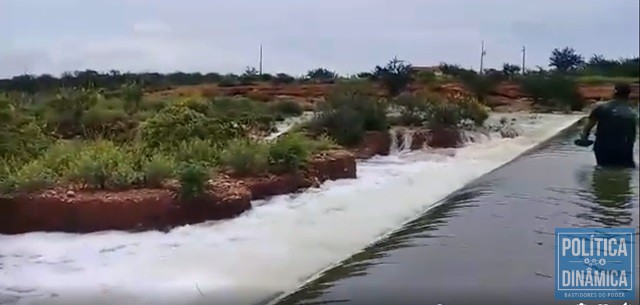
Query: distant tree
{"x":455,"y":70}
{"x":395,"y":76}
{"x":597,"y":59}
{"x":510,"y":70}
{"x":321,"y":75}
{"x":265,"y":77}
{"x":282,"y":78}
{"x":364,"y":75}
{"x":250,"y":75}
{"x":565,"y":59}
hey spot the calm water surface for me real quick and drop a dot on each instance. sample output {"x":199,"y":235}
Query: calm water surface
{"x":491,"y":242}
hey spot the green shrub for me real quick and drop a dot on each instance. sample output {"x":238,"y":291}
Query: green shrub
{"x":471,"y":109}
{"x":554,"y":91}
{"x":21,"y":137}
{"x":345,"y":125}
{"x":287,"y":107}
{"x":64,"y":112}
{"x":157,"y":169}
{"x":289,"y":152}
{"x":236,"y":107}
{"x":199,"y":105}
{"x":444,"y":115}
{"x":203,"y":152}
{"x":348,"y":113}
{"x":154,"y":105}
{"x":102,"y":164}
{"x":60,"y":156}
{"x":372,"y":110}
{"x":426,"y":77}
{"x":174,"y":124}
{"x":31,"y":177}
{"x":323,"y":142}
{"x":193,"y":178}
{"x":246,"y":157}
{"x":414,"y":109}
{"x":480,"y":85}
{"x":105,"y":123}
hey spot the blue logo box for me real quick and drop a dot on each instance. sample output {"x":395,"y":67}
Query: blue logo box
{"x":595,"y":264}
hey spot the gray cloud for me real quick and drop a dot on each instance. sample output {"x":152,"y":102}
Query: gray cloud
{"x":347,"y":36}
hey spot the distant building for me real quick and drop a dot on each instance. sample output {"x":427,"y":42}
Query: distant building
{"x":434,"y":69}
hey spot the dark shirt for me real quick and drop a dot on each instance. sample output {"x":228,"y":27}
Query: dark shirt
{"x":617,"y":124}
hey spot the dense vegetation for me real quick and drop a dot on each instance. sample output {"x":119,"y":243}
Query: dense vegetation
{"x":100,"y":130}
{"x":83,"y":137}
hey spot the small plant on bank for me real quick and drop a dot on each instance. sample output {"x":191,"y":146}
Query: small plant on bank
{"x":414,"y":110}
{"x":322,"y":143}
{"x":172,"y":125}
{"x":444,"y":115}
{"x":245,"y":157}
{"x":31,"y":177}
{"x":426,"y":109}
{"x":193,"y":178}
{"x":348,"y":113}
{"x":158,"y":169}
{"x":104,"y":165}
{"x":289,"y":152}
{"x":204,"y":152}
{"x":471,"y":109}
{"x":345,"y":125}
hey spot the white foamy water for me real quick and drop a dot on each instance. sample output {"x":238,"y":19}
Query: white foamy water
{"x":272,"y":248}
{"x":288,"y":123}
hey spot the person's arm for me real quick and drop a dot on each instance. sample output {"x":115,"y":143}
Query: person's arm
{"x":594,"y":116}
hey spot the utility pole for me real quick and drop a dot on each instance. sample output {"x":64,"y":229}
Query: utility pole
{"x":260,"y":67}
{"x":524,"y":55}
{"x":482,"y":54}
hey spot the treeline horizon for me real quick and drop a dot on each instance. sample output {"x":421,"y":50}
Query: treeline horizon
{"x":562,"y":60}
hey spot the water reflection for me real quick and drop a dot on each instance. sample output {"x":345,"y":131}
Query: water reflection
{"x":610,"y":197}
{"x":408,"y":236}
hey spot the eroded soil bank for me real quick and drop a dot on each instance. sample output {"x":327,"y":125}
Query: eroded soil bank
{"x":84,"y":211}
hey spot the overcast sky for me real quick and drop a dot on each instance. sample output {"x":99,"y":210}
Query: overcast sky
{"x":348,"y":36}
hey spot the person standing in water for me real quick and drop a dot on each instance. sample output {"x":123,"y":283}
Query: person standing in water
{"x":617,"y":122}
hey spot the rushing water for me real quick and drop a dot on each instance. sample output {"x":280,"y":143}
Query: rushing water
{"x":267,"y":251}
{"x":491,"y":242}
{"x":288,"y":123}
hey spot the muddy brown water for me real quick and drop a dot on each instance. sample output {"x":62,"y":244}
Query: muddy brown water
{"x":491,"y":242}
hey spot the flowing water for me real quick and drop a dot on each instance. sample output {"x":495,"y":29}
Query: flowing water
{"x":288,"y":123}
{"x":267,"y":251}
{"x":491,"y":242}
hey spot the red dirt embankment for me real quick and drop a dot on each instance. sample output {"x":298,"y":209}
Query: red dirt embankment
{"x":84,"y":211}
{"x":309,"y":93}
